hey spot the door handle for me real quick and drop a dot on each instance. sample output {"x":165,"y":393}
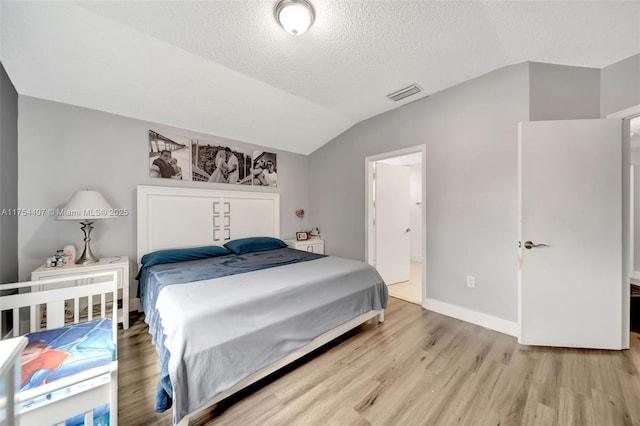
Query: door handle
{"x":407,"y":230}
{"x":530,"y":244}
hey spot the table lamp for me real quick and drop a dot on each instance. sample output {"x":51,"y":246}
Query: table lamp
{"x":86,"y":206}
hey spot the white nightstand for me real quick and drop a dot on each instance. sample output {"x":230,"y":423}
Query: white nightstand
{"x":119,"y":264}
{"x":314,"y":245}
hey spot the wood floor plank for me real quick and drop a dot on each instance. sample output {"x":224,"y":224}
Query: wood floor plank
{"x":576,"y":410}
{"x":630,"y":385}
{"x":475,"y":405}
{"x":395,"y":394}
{"x":546,"y":376}
{"x":544,"y":416}
{"x":418,"y":368}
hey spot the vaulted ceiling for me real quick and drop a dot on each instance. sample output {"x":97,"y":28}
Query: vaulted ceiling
{"x":227,"y":68}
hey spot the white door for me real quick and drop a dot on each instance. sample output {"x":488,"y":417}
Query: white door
{"x":570,"y":182}
{"x":393,"y":242}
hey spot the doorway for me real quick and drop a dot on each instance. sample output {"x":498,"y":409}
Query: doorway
{"x":396,"y":221}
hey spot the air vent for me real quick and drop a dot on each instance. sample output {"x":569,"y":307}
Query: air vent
{"x":404,"y":93}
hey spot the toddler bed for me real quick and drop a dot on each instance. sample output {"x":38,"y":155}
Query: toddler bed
{"x":69,"y":367}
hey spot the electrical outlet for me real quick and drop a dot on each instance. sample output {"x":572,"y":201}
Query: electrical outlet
{"x":471,"y":281}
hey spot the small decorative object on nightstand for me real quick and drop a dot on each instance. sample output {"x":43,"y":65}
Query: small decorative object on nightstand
{"x":301,"y":236}
{"x":69,"y":253}
{"x":119,"y":264}
{"x":315,"y":245}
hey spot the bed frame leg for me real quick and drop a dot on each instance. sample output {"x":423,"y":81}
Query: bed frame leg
{"x":381,"y":317}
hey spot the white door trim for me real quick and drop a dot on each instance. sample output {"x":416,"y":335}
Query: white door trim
{"x":626,"y":115}
{"x":369,"y":235}
{"x":632,"y":255}
{"x":626,"y":288}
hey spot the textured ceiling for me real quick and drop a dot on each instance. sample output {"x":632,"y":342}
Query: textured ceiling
{"x":227,"y":68}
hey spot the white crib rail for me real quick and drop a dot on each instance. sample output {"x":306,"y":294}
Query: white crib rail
{"x":10,"y":351}
{"x":100,"y":386}
{"x":88,"y":290}
{"x":79,"y":288}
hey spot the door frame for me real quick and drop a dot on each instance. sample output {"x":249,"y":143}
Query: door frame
{"x":369,"y":235}
{"x":627,"y":262}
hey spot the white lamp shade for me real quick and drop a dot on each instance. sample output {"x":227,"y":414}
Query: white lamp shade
{"x":295,"y":16}
{"x":86,"y":205}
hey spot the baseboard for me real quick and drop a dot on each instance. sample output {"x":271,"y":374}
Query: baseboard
{"x":473,"y":317}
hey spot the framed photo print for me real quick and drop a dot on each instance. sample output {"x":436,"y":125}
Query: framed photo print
{"x":301,"y":236}
{"x":169,"y":156}
{"x":265,"y":167}
{"x":218,"y":163}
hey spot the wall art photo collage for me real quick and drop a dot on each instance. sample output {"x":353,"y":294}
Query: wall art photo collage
{"x":180,"y":157}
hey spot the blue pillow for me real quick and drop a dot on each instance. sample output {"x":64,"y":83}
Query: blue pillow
{"x":253,"y":244}
{"x":182,"y":254}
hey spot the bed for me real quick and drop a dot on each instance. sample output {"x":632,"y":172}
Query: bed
{"x":69,"y":366}
{"x":264,"y":305}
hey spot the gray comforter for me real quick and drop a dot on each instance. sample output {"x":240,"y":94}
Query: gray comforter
{"x":230,"y":327}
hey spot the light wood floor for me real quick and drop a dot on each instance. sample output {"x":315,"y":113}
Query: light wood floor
{"x":419,"y":367}
{"x":411,"y":290}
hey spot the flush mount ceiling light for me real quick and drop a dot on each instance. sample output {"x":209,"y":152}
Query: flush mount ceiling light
{"x":295,"y":16}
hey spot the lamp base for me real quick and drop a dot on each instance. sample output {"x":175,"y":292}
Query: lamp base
{"x":87,"y":256}
{"x":86,"y":260}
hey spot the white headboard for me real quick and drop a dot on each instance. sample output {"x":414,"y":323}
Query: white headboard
{"x":174,"y":217}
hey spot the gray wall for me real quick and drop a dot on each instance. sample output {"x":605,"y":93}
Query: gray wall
{"x":620,"y":86}
{"x":8,"y":178}
{"x":470,"y":131}
{"x":559,"y":92}
{"x":64,"y":148}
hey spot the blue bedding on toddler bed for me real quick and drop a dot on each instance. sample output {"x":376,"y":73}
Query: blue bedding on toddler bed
{"x":155,"y":278}
{"x":61,"y":352}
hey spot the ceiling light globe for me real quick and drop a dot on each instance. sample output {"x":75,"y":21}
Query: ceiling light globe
{"x":295,"y":16}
